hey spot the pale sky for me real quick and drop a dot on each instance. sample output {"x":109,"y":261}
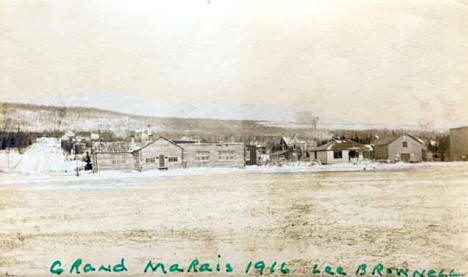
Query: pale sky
{"x":390,"y":62}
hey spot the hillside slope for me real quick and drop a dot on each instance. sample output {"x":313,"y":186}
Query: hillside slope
{"x":28,"y":117}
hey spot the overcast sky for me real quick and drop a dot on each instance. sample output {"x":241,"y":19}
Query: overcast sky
{"x":391,"y":62}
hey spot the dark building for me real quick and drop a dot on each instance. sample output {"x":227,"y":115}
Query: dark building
{"x":251,"y":154}
{"x":458,"y":144}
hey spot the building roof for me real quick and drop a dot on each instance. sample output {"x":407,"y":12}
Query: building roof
{"x":294,"y":141}
{"x":154,"y":140}
{"x":178,"y":141}
{"x":389,"y":139}
{"x":278,"y":153}
{"x":111,"y":147}
{"x":289,"y":141}
{"x":459,"y":128}
{"x":385,"y":140}
{"x":337,"y":144}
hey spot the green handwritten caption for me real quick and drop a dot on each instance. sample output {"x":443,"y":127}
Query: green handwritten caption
{"x":251,"y":268}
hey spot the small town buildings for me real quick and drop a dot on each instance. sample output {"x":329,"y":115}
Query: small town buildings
{"x":404,"y":148}
{"x":297,"y":149}
{"x":112,"y":156}
{"x":339,"y":151}
{"x":160,"y":153}
{"x":458,"y":144}
{"x":79,"y":148}
{"x":278,"y":157}
{"x":256,"y":153}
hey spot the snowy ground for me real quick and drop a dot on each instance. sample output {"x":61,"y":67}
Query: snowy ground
{"x":390,"y":213}
{"x":115,"y":178}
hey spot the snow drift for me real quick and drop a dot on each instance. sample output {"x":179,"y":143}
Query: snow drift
{"x":44,"y":156}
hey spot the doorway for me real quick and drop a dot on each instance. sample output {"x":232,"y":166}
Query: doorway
{"x":161,"y":161}
{"x":405,"y":157}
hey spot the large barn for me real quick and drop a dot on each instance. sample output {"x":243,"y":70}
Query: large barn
{"x":458,"y":144}
{"x":404,"y":148}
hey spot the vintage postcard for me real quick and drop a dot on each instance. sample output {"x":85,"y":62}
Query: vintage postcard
{"x":234,"y":138}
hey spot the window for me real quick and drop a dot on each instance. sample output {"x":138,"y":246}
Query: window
{"x":173,"y":159}
{"x":337,"y":154}
{"x":150,"y":160}
{"x":226,"y":155}
{"x":202,"y":155}
{"x":405,"y":144}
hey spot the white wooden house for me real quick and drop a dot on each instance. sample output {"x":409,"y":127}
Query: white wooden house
{"x":339,"y":151}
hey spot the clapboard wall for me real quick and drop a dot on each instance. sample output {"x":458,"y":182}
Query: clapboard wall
{"x":113,"y":161}
{"x":160,"y":153}
{"x":214,"y":154}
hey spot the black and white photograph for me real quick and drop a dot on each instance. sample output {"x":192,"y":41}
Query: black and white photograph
{"x":234,"y":138}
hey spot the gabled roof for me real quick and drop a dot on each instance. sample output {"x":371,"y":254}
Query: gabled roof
{"x":111,"y":147}
{"x":278,"y":153}
{"x":336,"y":145}
{"x":154,"y":140}
{"x":385,"y":140}
{"x":292,"y":140}
{"x":389,"y":139}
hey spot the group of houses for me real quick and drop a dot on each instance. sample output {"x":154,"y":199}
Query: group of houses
{"x":404,"y":148}
{"x":162,"y":153}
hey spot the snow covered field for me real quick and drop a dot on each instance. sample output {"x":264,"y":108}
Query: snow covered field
{"x":413,"y":213}
{"x":114,"y":178}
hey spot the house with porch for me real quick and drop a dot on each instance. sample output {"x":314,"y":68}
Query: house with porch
{"x":339,"y":151}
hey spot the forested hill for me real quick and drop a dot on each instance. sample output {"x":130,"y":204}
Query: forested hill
{"x":34,"y":118}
